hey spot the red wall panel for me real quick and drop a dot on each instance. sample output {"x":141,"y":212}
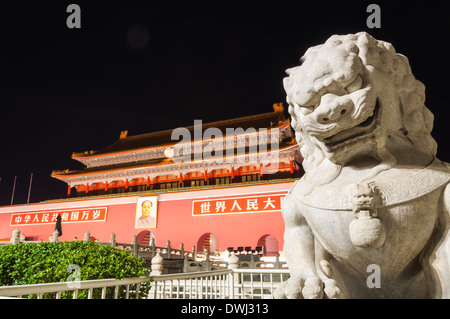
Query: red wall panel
{"x":175,"y":221}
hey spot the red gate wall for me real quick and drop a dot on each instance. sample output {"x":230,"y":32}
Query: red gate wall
{"x":175,"y":220}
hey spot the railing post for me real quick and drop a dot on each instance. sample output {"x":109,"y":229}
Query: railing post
{"x":182,"y":250}
{"x":194,"y":254}
{"x":152,"y":247}
{"x":54,"y":237}
{"x":206,"y":263}
{"x":185,"y":263}
{"x":87,"y":236}
{"x":157,"y":265}
{"x":15,"y":239}
{"x":135,"y":245}
{"x":168,"y":250}
{"x":252,"y":262}
{"x":277,"y":261}
{"x":22,"y":237}
{"x":112,"y":241}
{"x":233,"y":263}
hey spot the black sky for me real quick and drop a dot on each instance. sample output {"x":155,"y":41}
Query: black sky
{"x":146,"y":66}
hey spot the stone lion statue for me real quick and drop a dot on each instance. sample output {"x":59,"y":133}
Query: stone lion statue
{"x":374,"y":196}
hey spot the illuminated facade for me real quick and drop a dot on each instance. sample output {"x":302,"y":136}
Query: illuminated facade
{"x":214,"y":186}
{"x":243,"y":153}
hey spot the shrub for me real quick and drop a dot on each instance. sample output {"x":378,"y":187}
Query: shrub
{"x":46,"y":262}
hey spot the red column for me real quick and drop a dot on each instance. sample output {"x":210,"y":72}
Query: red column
{"x":106,"y":186}
{"x":291,"y":166}
{"x":206,"y":175}
{"x":126,"y":183}
{"x":148,"y":181}
{"x":181,"y":178}
{"x":87,"y":188}
{"x":232,"y":172}
{"x":68,"y":190}
{"x":260,"y":170}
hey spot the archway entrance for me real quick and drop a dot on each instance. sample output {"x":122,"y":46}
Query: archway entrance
{"x":144,"y":237}
{"x":209,"y":242}
{"x":269,"y":245}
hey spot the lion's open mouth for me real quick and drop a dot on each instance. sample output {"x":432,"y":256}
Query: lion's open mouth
{"x":355,"y":133}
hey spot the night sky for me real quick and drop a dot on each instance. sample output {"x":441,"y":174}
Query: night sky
{"x":146,"y":66}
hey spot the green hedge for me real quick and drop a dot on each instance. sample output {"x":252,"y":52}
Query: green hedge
{"x":46,"y":262}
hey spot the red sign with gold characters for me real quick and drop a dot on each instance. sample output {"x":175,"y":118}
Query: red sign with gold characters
{"x":237,"y":205}
{"x":67,"y":216}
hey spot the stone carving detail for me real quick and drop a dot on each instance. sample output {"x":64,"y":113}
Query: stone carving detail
{"x":373,"y":192}
{"x":366,"y":230}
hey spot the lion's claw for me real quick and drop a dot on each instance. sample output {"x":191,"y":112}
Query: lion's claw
{"x":331,"y":289}
{"x":312,"y":288}
{"x":298,"y":288}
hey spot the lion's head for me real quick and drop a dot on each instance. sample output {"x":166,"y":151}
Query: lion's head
{"x":354,"y":96}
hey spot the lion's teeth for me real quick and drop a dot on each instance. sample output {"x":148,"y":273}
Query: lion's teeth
{"x":353,"y":140}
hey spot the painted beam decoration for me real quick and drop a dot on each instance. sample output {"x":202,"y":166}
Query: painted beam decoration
{"x":238,"y":205}
{"x":67,"y":216}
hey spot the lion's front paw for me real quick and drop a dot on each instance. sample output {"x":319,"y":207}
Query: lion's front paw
{"x":279,"y":292}
{"x":298,"y":288}
{"x":331,"y":289}
{"x":293,"y":289}
{"x":313,"y":288}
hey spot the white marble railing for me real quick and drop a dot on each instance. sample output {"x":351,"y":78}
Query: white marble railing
{"x":219,"y":284}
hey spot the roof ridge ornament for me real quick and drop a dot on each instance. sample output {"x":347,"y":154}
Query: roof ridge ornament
{"x":278,"y":107}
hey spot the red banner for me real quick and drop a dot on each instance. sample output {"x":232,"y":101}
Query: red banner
{"x":67,"y":216}
{"x":237,"y":205}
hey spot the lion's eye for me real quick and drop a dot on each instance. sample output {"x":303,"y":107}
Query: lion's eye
{"x":306,"y":110}
{"x":355,"y":85}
